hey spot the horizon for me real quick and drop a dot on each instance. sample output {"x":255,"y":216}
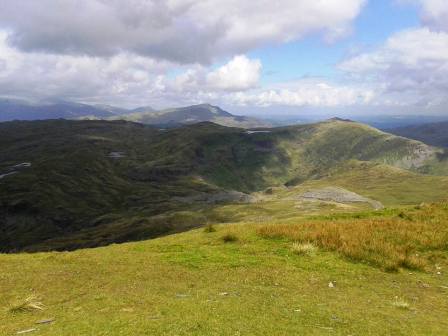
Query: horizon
{"x":330,"y":58}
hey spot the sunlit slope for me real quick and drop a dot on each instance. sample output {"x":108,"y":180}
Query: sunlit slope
{"x":90,"y":183}
{"x":244,"y":279}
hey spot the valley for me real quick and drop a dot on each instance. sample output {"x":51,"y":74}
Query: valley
{"x":92,"y":183}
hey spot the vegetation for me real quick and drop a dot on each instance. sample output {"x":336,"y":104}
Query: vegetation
{"x":413,"y":239}
{"x":307,"y":248}
{"x":92,"y":183}
{"x":434,"y":134}
{"x":28,"y":305}
{"x":229,"y":238}
{"x":194,"y":283}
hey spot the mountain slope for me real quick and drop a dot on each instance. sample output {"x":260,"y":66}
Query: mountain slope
{"x":264,"y":282}
{"x":190,"y":115}
{"x":435,"y":134}
{"x":12,"y":109}
{"x":70,"y":184}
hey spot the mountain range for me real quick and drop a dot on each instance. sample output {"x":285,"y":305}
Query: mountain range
{"x":71,"y":184}
{"x":435,"y":134}
{"x":14,"y":109}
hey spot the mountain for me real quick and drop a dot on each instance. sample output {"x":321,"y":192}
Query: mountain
{"x":13,"y":109}
{"x":71,"y":184}
{"x":190,"y":115}
{"x":435,"y":134}
{"x":142,"y":109}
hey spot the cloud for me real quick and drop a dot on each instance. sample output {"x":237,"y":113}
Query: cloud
{"x":435,"y":14}
{"x":123,"y":79}
{"x":411,"y":67}
{"x":182,"y":31}
{"x":239,"y":74}
{"x":307,"y":92}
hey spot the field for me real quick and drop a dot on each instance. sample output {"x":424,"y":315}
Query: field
{"x":244,"y":278}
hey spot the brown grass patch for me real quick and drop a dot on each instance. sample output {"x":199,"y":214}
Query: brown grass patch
{"x":409,"y":240}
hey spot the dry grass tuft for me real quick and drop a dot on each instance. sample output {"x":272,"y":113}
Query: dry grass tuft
{"x":229,"y":238}
{"x":307,"y":249}
{"x":401,"y":303}
{"x":391,"y":242}
{"x":31,"y":303}
{"x":209,"y":228}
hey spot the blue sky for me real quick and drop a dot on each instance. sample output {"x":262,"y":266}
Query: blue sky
{"x":326,"y":56}
{"x":313,"y":56}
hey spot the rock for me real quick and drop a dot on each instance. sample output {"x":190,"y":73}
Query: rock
{"x":218,"y":197}
{"x":26,"y":331}
{"x":339,"y":195}
{"x":116,"y":155}
{"x":45,"y":321}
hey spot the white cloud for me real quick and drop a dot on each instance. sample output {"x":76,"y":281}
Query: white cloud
{"x":184,"y":31}
{"x":411,"y":67}
{"x":239,"y":74}
{"x":435,"y":14}
{"x":305,"y":93}
{"x":123,"y":79}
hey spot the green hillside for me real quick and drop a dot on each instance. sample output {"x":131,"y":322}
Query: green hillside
{"x":369,"y":273}
{"x":92,"y":183}
{"x":435,"y":134}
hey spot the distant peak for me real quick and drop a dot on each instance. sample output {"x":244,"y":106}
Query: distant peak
{"x":211,"y":108}
{"x":207,"y":106}
{"x":340,"y":119}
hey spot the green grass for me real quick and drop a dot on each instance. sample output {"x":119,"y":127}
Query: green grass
{"x":194,"y":283}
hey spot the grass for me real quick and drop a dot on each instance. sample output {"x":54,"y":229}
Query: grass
{"x":229,"y":238}
{"x":31,"y":303}
{"x":307,"y":248}
{"x":410,"y":240}
{"x":401,"y":303}
{"x":195,"y":284}
{"x":209,"y":228}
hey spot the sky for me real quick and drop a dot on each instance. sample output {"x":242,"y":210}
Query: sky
{"x":264,"y":58}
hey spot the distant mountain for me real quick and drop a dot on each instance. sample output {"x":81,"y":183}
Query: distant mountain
{"x":14,"y":109}
{"x":435,"y":134}
{"x":192,"y":114}
{"x":143,"y":109}
{"x":112,"y":109}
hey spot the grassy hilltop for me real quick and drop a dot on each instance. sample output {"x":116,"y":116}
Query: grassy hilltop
{"x":370,"y":273}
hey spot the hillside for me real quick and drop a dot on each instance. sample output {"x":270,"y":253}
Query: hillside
{"x":368,"y":273}
{"x":13,"y":109}
{"x":434,"y":134}
{"x":190,"y":115}
{"x":71,"y":184}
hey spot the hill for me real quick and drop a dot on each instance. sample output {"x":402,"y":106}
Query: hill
{"x":71,"y":184}
{"x":434,"y":134}
{"x":366,"y":273}
{"x":190,"y":115}
{"x":14,"y":109}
